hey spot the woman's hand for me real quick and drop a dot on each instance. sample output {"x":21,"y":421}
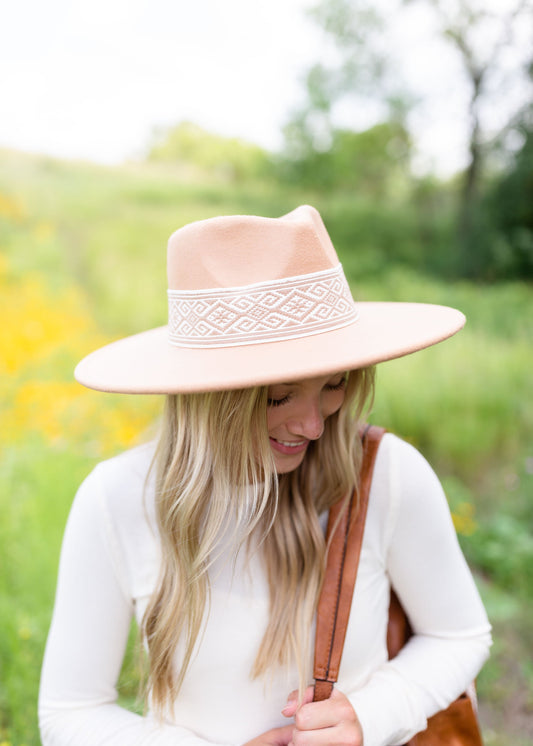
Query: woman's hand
{"x":274,"y":737}
{"x":332,"y":722}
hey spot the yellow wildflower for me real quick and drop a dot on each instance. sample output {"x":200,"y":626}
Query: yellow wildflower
{"x":43,"y":232}
{"x":24,"y":632}
{"x":13,"y":209}
{"x":37,"y":324}
{"x":463,"y":519}
{"x":42,"y":336}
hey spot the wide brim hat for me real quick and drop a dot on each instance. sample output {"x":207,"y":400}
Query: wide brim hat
{"x":254,"y":301}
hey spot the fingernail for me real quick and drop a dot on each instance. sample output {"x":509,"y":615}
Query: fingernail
{"x":290,"y":703}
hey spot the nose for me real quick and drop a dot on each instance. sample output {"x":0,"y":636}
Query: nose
{"x":310,"y":421}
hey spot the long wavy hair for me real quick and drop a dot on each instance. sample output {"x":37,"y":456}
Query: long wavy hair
{"x":214,"y":473}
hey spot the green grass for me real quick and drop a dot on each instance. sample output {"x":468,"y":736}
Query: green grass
{"x":467,"y":403}
{"x":36,"y":491}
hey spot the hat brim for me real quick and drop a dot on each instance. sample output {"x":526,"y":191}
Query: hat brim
{"x":147,"y":363}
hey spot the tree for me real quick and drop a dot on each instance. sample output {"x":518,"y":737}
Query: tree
{"x":481,"y":36}
{"x":510,"y":204}
{"x":360,"y":69}
{"x":317,"y":141}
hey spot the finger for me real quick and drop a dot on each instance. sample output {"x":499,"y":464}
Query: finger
{"x":280,"y":736}
{"x":308,"y":695}
{"x":343,"y":734}
{"x":293,"y":703}
{"x":325,"y":714}
{"x":291,"y":706}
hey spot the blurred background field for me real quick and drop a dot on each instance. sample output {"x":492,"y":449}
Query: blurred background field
{"x":82,"y":262}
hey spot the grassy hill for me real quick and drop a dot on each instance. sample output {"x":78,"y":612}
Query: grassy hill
{"x":82,"y":261}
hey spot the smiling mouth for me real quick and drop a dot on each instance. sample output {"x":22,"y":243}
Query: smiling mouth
{"x":289,"y":446}
{"x":290,"y":443}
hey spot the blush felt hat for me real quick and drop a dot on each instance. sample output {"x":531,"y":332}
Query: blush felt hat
{"x":253,"y":301}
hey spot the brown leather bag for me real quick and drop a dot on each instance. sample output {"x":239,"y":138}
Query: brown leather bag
{"x":457,"y":725}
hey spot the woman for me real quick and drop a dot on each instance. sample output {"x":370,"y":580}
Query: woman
{"x":214,"y":538}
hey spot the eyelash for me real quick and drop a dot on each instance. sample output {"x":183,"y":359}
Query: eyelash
{"x":277,"y":402}
{"x":285,"y":399}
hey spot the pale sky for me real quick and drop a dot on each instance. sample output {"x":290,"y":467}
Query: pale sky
{"x":91,"y":79}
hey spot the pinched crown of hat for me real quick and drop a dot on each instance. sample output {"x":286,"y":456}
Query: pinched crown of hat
{"x":246,"y":280}
{"x":255,"y":300}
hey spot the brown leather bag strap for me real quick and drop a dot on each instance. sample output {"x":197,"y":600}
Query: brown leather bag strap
{"x":341,"y":570}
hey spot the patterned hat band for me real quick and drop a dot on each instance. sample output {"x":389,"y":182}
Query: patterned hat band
{"x":263,"y":312}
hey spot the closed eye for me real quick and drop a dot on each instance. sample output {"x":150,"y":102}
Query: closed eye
{"x":278,"y":402}
{"x":336,"y":386}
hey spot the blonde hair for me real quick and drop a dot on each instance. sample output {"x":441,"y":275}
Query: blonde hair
{"x":215,"y":472}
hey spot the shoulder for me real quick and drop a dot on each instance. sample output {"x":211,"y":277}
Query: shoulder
{"x":403,"y":483}
{"x":120,"y":485}
{"x":402,"y":464}
{"x":122,"y":478}
{"x":118,"y":496}
{"x":399,"y":465}
{"x":129,"y":469}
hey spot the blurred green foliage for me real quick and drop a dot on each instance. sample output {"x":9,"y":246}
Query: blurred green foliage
{"x":80,"y":245}
{"x":374,"y":162}
{"x":479,"y":224}
{"x":509,"y":207}
{"x":187,"y":144}
{"x":369,"y":195}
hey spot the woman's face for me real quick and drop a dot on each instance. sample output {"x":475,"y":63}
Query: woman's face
{"x":296,"y":414}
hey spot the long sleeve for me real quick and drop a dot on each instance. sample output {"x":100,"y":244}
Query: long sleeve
{"x":109,"y":567}
{"x":87,"y":640}
{"x":428,"y":572}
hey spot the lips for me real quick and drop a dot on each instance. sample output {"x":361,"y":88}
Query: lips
{"x":289,"y":447}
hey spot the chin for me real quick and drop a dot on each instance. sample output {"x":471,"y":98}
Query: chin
{"x":286,"y":465}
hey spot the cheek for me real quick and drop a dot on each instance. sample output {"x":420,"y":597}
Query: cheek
{"x":278,"y":417}
{"x":274,"y":418}
{"x":334,"y":402}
